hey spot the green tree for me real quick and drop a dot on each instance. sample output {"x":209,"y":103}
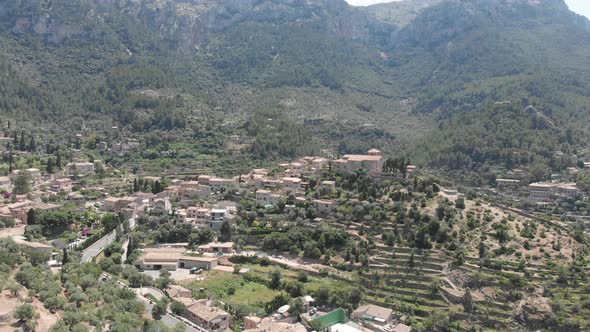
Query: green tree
{"x":49,"y":168}
{"x":22,"y":183}
{"x":14,"y":288}
{"x":297,"y":307}
{"x":159,"y":310}
{"x":178,"y":308}
{"x":25,"y":312}
{"x":275,"y":279}
{"x":225,"y":232}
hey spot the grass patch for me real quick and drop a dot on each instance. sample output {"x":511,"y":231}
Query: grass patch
{"x":252,"y":294}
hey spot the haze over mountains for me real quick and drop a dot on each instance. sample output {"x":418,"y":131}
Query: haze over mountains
{"x":394,"y":75}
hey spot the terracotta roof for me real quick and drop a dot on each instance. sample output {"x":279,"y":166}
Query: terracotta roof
{"x":204,"y":312}
{"x":374,"y":310}
{"x":198,"y":258}
{"x":151,"y":257}
{"x":361,"y":157}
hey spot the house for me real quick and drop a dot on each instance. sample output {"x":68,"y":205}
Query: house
{"x":158,"y":260}
{"x":116,"y":204}
{"x":76,"y":198}
{"x":207,"y":316}
{"x":222,"y":185}
{"x":48,"y":207}
{"x":323,"y":206}
{"x":255,"y":324}
{"x":269,"y":183}
{"x":292,"y":184}
{"x":164,"y":258}
{"x":187,"y":187}
{"x":17,"y":210}
{"x":218,"y":247}
{"x":540,"y":190}
{"x":199,"y":215}
{"x":176,"y":291}
{"x":267,"y":197}
{"x":189,"y":262}
{"x":373,"y":314}
{"x":216,"y":218}
{"x":372,"y":162}
{"x":64,"y":184}
{"x":547,"y":190}
{"x":295,"y":168}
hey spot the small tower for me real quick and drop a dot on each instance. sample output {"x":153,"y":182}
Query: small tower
{"x":375,"y":152}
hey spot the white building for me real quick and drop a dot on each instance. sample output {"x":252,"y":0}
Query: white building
{"x":216,"y":218}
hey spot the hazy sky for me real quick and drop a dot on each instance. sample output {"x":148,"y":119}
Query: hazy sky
{"x":579,"y":6}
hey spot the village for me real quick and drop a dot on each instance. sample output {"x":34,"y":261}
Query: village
{"x":218,"y":199}
{"x":311,"y":192}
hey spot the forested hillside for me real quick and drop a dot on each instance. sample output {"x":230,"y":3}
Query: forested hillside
{"x":392,"y":76}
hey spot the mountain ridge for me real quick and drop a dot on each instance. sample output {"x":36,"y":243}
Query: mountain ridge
{"x":430,"y":59}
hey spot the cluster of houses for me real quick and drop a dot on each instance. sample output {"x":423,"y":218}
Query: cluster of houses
{"x":367,"y":318}
{"x":540,"y":191}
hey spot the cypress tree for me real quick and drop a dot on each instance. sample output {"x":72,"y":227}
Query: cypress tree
{"x":49,"y":168}
{"x":32,"y":144}
{"x":64,"y":259}
{"x":58,"y":161}
{"x":22,"y":144}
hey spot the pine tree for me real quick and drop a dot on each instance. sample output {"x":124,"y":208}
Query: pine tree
{"x":15,"y":138}
{"x":135,"y":185}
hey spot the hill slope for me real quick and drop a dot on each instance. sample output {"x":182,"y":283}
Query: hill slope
{"x":383,"y":75}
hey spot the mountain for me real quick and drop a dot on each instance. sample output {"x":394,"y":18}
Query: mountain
{"x":389,"y":75}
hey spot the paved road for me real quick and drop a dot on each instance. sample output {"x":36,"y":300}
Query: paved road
{"x":97,"y":247}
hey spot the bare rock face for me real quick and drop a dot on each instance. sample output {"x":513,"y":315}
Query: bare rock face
{"x":534,"y":311}
{"x":51,"y":30}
